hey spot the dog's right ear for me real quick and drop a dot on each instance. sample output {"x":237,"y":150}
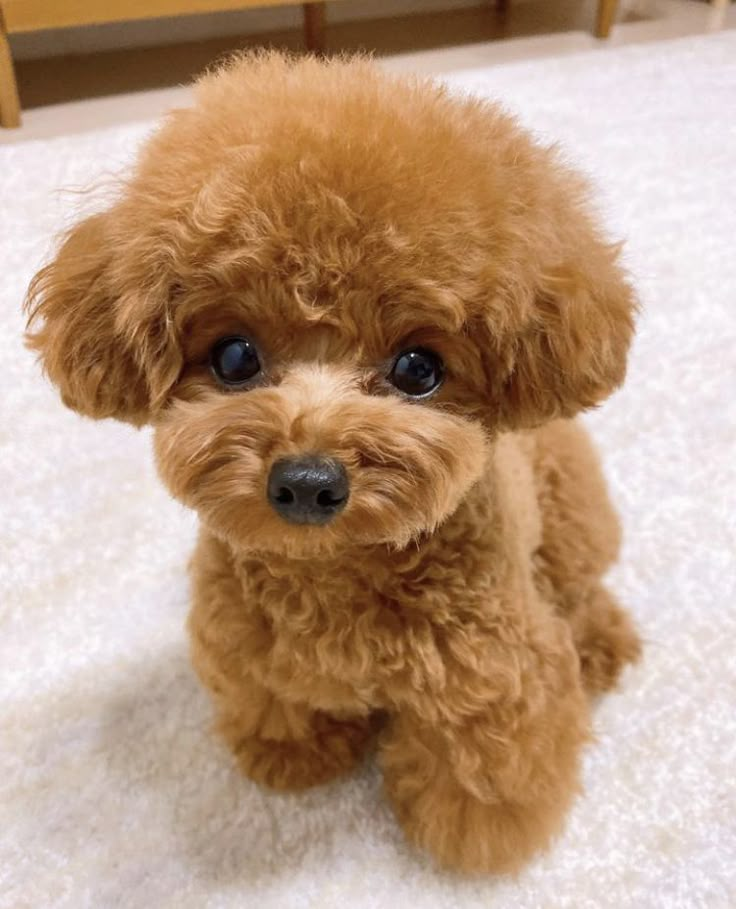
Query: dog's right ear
{"x":105,"y":348}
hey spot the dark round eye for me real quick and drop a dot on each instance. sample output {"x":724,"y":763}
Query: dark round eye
{"x":234,"y":360}
{"x":417,"y":372}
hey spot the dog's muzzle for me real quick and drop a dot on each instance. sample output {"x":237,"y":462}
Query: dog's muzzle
{"x":308,"y":490}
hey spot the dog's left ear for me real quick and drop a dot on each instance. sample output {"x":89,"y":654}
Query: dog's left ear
{"x":570,"y":330}
{"x":100,"y":327}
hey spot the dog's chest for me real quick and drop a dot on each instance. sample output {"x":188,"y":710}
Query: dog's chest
{"x":354,"y":639}
{"x":353,"y":632}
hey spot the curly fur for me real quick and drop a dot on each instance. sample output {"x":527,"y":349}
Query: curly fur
{"x":336,"y":215}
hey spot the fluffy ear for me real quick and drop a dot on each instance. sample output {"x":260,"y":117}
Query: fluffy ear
{"x":107,"y":348}
{"x":571,"y":352}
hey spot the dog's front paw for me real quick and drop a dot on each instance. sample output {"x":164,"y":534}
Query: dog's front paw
{"x":334,"y":748}
{"x":464,"y":834}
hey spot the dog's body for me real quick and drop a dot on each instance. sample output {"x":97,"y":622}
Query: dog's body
{"x":426,"y":633}
{"x":360,"y":315}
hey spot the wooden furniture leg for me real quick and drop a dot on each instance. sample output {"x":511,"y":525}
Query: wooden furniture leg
{"x":604,"y":18}
{"x":9,"y":100}
{"x":717,"y":14}
{"x":314,"y":27}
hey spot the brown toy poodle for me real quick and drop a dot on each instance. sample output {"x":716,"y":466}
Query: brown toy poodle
{"x":360,"y":312}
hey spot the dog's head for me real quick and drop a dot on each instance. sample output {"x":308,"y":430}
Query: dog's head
{"x":328,"y":290}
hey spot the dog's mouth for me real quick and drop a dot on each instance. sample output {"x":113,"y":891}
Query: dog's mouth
{"x":336,"y":472}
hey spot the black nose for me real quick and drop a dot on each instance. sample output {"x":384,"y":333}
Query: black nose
{"x":308,"y":490}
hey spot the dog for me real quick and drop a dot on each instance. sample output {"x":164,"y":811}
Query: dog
{"x":360,"y":313}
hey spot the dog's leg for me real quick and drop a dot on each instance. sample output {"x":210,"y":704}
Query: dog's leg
{"x":605,"y":638}
{"x":286,"y":746}
{"x":580,"y":540}
{"x":482,"y":772}
{"x":279,"y":742}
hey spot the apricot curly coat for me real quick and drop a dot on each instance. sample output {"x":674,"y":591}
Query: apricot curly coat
{"x":338,"y":215}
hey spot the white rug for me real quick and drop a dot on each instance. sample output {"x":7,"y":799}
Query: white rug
{"x":112,"y":791}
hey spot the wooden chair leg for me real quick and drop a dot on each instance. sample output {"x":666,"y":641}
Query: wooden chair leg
{"x":314,"y":27}
{"x":9,"y":100}
{"x":604,"y":18}
{"x":717,"y":14}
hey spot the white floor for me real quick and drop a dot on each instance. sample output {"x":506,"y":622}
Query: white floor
{"x":662,"y":20}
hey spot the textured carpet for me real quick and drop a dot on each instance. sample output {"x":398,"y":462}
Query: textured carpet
{"x":112,"y":791}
